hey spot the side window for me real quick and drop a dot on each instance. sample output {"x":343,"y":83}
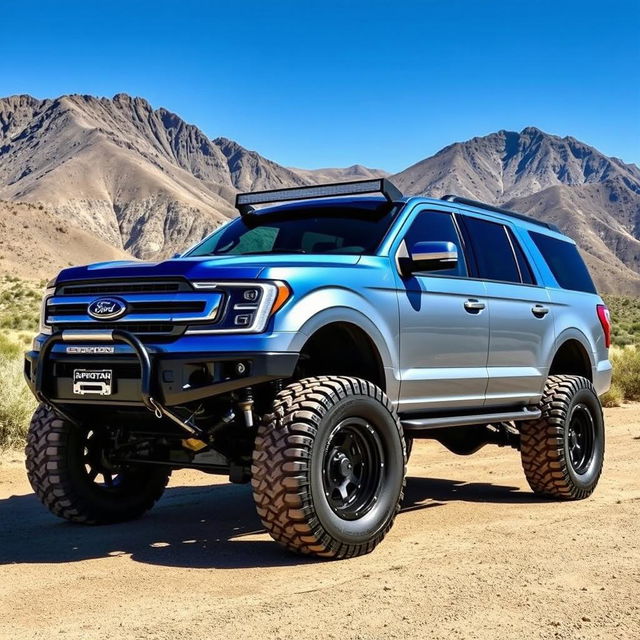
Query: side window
{"x":523,"y":263}
{"x":437,"y":226}
{"x":495,"y":258}
{"x":565,"y":262}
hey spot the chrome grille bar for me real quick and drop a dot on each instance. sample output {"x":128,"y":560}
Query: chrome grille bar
{"x":63,"y":310}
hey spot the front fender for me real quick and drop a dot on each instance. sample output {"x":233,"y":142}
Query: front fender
{"x":376,"y":314}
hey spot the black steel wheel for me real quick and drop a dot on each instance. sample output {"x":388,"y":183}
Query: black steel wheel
{"x":99,"y":470}
{"x":353,"y":468}
{"x":70,"y":472}
{"x":581,"y":437}
{"x":563,"y":450}
{"x":329,"y":466}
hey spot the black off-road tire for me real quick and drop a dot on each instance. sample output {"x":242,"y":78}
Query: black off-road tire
{"x":296,"y":446}
{"x":549,"y":446}
{"x":57,"y":472}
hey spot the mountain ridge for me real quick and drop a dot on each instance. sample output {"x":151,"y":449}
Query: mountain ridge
{"x":593,"y":198}
{"x":148,"y":183}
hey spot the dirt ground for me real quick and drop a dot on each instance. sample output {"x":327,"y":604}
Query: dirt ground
{"x":472,"y":555}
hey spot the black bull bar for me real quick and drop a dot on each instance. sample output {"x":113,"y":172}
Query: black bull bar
{"x":150,"y":401}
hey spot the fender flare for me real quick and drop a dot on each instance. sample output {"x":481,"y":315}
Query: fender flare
{"x":577,"y":335}
{"x":349,"y":316}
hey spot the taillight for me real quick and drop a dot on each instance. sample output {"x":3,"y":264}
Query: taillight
{"x":605,"y":321}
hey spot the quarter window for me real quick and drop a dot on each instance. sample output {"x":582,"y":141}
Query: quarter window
{"x":565,"y":263}
{"x":437,"y":226}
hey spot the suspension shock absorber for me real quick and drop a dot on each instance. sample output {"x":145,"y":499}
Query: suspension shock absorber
{"x":246,"y":406}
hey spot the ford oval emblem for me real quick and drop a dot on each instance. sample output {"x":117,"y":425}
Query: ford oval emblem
{"x":107,"y":308}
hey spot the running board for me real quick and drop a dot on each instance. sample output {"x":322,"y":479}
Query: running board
{"x":421,"y":424}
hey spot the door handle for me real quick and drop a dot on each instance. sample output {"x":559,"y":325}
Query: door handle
{"x":474,"y":306}
{"x":539,"y":311}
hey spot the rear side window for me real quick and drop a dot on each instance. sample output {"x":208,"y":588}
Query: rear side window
{"x":495,"y":259}
{"x":565,"y":263}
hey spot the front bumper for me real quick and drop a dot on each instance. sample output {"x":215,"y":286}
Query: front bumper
{"x":173,"y":378}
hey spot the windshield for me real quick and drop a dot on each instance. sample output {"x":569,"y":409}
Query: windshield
{"x":335,"y":229}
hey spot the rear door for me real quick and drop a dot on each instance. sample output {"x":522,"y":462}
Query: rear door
{"x":520,"y":314}
{"x":444,"y":325}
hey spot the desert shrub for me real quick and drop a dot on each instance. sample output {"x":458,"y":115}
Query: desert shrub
{"x":626,"y":376}
{"x":626,"y":372}
{"x":19,"y":304}
{"x":625,"y":317}
{"x":613,"y":398}
{"x":10,"y":347}
{"x":16,"y":402}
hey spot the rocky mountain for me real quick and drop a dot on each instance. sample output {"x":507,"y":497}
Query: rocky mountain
{"x":35,"y":244}
{"x":593,"y":198}
{"x":147,"y":183}
{"x":354,"y":172}
{"x":508,"y":164}
{"x":138,"y":178}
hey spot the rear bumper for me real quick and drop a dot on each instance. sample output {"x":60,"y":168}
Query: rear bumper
{"x":174,"y":379}
{"x":602,"y":374}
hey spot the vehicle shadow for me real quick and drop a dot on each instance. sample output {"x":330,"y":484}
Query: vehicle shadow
{"x":196,"y":527}
{"x":425,"y":492}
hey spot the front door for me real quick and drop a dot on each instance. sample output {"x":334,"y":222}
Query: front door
{"x":444,"y":327}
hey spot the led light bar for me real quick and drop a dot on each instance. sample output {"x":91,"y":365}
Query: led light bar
{"x":245,"y":201}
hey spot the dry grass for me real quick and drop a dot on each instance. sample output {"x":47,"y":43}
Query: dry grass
{"x":625,"y":317}
{"x":626,"y":376}
{"x":16,"y":402}
{"x":19,"y":303}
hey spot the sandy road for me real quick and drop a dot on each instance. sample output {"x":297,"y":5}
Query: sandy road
{"x":473,"y":555}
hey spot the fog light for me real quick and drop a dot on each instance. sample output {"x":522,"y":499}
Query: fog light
{"x":241,"y":368}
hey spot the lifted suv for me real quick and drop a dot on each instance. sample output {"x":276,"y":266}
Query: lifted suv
{"x":302,"y":347}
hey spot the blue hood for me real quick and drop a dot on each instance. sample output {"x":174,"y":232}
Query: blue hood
{"x":202,"y":268}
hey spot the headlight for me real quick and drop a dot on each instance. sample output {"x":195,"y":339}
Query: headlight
{"x":247,"y":305}
{"x":49,"y":292}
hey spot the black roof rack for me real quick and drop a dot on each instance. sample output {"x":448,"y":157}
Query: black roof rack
{"x":245,"y":201}
{"x":490,"y":207}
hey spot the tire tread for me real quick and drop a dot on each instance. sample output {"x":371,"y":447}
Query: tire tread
{"x":46,"y":460}
{"x":281,"y":457}
{"x":542,"y":441}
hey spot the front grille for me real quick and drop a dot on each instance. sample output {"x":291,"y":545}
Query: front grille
{"x":134,"y":307}
{"x":154,"y":309}
{"x":123,"y":286}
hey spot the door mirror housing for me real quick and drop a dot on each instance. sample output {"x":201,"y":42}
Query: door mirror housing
{"x":431,"y":256}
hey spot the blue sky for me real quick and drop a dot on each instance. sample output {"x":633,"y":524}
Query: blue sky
{"x":313,"y":84}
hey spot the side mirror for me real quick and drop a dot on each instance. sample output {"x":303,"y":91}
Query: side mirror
{"x":431,"y":256}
